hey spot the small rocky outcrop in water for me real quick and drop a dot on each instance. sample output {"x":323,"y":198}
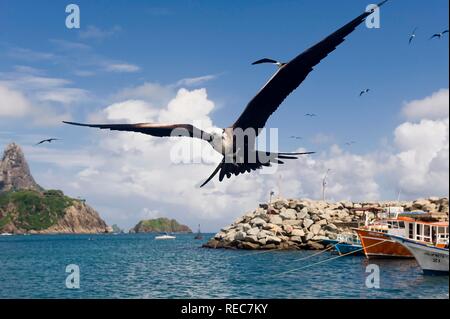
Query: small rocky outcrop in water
{"x":160,"y":225}
{"x":303,"y":224}
{"x":14,"y":171}
{"x":25,"y":207}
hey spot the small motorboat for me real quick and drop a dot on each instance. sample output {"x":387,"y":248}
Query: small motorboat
{"x":6,"y":234}
{"x":349,"y":244}
{"x":164,"y":237}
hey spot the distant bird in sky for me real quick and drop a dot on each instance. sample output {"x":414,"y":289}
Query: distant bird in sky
{"x":350,"y":143}
{"x":297,"y":137}
{"x":364,"y":92}
{"x":49,"y":140}
{"x":412,"y":36}
{"x":311,"y":115}
{"x":239,"y":153}
{"x":439,"y":35}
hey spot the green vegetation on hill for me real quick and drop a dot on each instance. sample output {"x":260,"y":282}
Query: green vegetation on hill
{"x":32,"y":210}
{"x":161,"y":225}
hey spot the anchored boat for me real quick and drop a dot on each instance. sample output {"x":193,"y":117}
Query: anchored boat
{"x":199,"y":235}
{"x":375,"y":237}
{"x":165,"y":237}
{"x":428,"y":242}
{"x":349,"y":244}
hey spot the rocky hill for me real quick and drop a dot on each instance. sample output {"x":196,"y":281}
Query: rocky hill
{"x":25,"y":207}
{"x":14,"y":171}
{"x":160,"y":225}
{"x":303,"y":224}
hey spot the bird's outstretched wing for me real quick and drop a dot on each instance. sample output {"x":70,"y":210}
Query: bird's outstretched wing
{"x":159,"y":130}
{"x":437,"y":35}
{"x":290,"y":76}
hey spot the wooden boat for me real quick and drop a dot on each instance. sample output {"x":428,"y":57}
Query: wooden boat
{"x":374,"y":237}
{"x":428,"y":242}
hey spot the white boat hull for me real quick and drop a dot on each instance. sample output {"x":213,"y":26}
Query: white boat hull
{"x":432,"y":260}
{"x":164,"y":237}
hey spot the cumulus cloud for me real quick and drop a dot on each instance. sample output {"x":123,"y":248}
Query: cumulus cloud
{"x":435,"y":106}
{"x":13,"y":103}
{"x":27,"y":93}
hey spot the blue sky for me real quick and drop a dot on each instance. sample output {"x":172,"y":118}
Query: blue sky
{"x":166,"y":41}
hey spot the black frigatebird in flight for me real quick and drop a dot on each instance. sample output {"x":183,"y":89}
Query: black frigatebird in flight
{"x":311,"y":115}
{"x":439,"y":35}
{"x":412,"y":36}
{"x":245,"y":158}
{"x":364,"y":92}
{"x":49,"y":140}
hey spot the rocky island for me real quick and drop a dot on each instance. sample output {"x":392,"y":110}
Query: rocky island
{"x":160,"y":225}
{"x":26,"y":207}
{"x":291,"y":224}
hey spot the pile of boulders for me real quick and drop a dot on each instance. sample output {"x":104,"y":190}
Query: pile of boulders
{"x":305,"y":224}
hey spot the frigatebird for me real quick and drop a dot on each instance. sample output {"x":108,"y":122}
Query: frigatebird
{"x":412,"y":36}
{"x":238,"y":150}
{"x":49,"y":140}
{"x":364,"y":92}
{"x":311,"y":115}
{"x":350,"y":143}
{"x":439,"y":35}
{"x":296,"y":137}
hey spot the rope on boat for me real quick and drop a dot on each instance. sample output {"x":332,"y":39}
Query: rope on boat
{"x":326,"y":260}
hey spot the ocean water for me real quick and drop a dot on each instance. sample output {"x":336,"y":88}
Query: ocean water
{"x":137,"y":266}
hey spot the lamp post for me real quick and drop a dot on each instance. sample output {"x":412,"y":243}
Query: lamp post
{"x":324,"y":183}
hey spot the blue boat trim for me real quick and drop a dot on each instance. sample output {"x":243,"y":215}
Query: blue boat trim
{"x":344,"y":249}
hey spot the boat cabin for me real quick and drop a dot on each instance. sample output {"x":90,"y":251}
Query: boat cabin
{"x":435,"y":233}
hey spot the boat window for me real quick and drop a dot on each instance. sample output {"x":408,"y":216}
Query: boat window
{"x":427,"y":233}
{"x":402,"y":224}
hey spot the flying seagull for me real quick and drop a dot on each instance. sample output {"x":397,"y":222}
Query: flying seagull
{"x":439,"y":35}
{"x":49,"y":140}
{"x":412,"y":36}
{"x":364,"y":92}
{"x":241,"y":157}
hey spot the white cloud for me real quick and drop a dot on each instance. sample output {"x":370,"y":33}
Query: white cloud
{"x":122,"y":68}
{"x":62,"y":95}
{"x":153,"y":93}
{"x":13,"y":103}
{"x":29,"y":55}
{"x":94,"y":32}
{"x":196,"y":81}
{"x":421,"y":165}
{"x":435,"y":106}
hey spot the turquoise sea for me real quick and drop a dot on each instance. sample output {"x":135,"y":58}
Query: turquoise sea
{"x":137,"y":266}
